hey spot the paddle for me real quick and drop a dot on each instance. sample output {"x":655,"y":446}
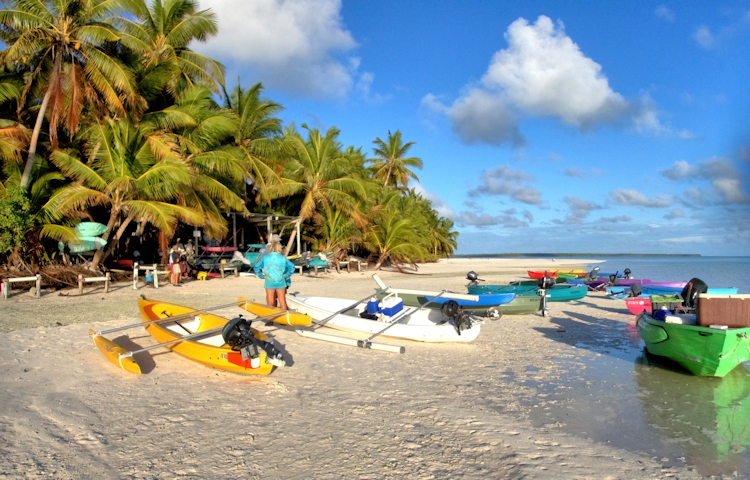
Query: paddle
{"x":171,"y":319}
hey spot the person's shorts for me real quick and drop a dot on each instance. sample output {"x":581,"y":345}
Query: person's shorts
{"x":176,"y":268}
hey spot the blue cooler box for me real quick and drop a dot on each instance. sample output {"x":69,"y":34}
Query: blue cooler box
{"x":391,"y":306}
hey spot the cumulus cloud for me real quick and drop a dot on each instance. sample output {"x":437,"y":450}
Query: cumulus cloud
{"x":633,"y":198}
{"x":475,"y":219}
{"x":443,"y":209}
{"x":704,"y":37}
{"x":574,"y":172}
{"x":542,"y":73}
{"x":617,"y":219}
{"x":298,"y":45}
{"x":726,"y":181}
{"x":663,"y":12}
{"x":675,"y":213}
{"x":504,"y":181}
{"x":579,"y":210}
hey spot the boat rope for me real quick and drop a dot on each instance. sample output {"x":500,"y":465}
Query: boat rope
{"x":741,"y":337}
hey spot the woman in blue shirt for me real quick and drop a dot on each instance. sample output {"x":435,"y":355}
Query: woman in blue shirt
{"x":277,"y":272}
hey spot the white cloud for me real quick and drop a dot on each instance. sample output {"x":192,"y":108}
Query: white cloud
{"x":681,"y":169}
{"x":475,"y":219}
{"x":542,"y":73}
{"x":633,"y":198}
{"x":443,"y":209}
{"x":505,"y":181}
{"x":617,"y":219}
{"x":729,"y":188}
{"x":290,"y":44}
{"x":663,"y":12}
{"x":675,"y":213}
{"x":704,"y":37}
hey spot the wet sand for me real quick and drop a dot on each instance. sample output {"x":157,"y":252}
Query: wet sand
{"x":437,"y":411}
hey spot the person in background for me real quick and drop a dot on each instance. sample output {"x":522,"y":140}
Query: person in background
{"x":277,"y":271}
{"x":174,"y":264}
{"x":189,"y":248}
{"x":178,"y":245}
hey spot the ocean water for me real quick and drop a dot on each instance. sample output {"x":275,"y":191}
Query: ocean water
{"x":613,"y":392}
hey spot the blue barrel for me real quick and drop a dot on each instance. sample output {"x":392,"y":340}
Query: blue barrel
{"x":372,"y":306}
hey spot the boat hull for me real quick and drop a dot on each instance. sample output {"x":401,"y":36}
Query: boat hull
{"x":210,"y":351}
{"x":425,"y":325}
{"x":561,"y":292}
{"x":479,"y":307}
{"x":702,"y":351}
{"x":284,"y":317}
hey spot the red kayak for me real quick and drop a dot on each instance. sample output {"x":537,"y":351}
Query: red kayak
{"x":533,"y":274}
{"x":638,"y":305}
{"x":219,"y":249}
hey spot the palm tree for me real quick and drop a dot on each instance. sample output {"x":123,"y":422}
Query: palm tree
{"x":133,"y":171}
{"x":391,"y":163}
{"x":161,"y":37}
{"x":319,"y":171}
{"x":258,"y":140}
{"x":63,"y":44}
{"x":396,"y":238}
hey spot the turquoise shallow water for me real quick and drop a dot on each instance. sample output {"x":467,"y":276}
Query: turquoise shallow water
{"x":614,"y":392}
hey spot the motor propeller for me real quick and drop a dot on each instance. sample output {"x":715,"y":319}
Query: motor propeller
{"x":240,"y":338}
{"x":454,"y":311}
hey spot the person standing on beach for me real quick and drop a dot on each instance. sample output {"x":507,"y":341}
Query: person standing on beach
{"x":174,"y":263}
{"x":277,"y":272}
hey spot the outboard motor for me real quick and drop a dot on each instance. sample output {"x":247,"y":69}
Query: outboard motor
{"x":545,"y":283}
{"x":690,"y":293}
{"x":240,"y":338}
{"x":593,"y":273}
{"x":635,"y":289}
{"x":627,"y":272}
{"x":473,"y":278}
{"x":461,"y":321}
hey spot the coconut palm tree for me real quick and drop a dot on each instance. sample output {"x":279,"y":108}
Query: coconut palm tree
{"x":258,"y":140}
{"x":390,"y":164}
{"x":63,"y":45}
{"x":161,"y":36}
{"x":134,"y":171}
{"x":320,"y":173}
{"x":395,"y":237}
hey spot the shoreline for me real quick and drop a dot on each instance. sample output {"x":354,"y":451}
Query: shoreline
{"x":439,"y":410}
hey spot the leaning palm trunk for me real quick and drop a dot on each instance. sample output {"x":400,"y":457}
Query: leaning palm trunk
{"x":38,"y":127}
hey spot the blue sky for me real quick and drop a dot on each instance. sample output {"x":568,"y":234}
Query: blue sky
{"x":579,"y":127}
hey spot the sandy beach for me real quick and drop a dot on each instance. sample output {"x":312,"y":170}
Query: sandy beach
{"x":437,"y":411}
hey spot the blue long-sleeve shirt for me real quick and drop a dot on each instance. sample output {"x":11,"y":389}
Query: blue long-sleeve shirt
{"x":275,"y":269}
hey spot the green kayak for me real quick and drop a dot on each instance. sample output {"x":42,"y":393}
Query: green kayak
{"x":561,"y":292}
{"x":704,"y":351}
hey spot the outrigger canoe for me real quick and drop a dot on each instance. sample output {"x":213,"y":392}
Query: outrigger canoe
{"x":704,"y":351}
{"x":411,"y":323}
{"x":194,"y":334}
{"x":274,"y":314}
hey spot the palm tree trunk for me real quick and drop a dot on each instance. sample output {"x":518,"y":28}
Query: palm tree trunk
{"x":38,"y":124}
{"x":380,"y":262}
{"x":388,"y":176}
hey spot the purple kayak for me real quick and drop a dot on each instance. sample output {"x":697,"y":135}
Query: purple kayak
{"x":631,"y":281}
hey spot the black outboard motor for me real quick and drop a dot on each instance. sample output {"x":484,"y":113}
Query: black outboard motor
{"x":240,"y":338}
{"x":635,"y":289}
{"x":690,"y":293}
{"x":545,"y":283}
{"x":455,"y":312}
{"x":627,"y":272}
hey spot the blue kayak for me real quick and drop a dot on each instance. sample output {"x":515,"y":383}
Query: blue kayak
{"x":485,"y":300}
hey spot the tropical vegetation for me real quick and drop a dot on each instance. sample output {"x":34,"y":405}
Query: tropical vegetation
{"x":107,"y":115}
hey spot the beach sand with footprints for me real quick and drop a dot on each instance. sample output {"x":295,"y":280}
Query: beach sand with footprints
{"x":437,"y":411}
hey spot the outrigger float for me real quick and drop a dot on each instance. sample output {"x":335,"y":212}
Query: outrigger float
{"x":208,"y":339}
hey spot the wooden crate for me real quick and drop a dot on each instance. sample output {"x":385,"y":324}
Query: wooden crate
{"x":730,"y":310}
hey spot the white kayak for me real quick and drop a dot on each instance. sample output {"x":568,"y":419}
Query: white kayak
{"x":412,"y":323}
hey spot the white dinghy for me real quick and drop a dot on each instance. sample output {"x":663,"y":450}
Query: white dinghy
{"x":389,"y":318}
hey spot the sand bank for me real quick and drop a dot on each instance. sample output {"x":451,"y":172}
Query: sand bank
{"x":438,"y":411}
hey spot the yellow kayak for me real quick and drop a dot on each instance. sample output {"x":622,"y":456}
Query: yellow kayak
{"x":284,"y":316}
{"x":210,"y":350}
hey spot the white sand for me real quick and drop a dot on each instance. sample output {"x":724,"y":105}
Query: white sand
{"x":438,"y":411}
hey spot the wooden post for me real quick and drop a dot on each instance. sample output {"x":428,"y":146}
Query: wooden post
{"x":221,"y":269}
{"x":135,"y":276}
{"x":106,"y":284}
{"x":38,"y":285}
{"x":236,"y":272}
{"x":156,"y":275}
{"x":80,"y":284}
{"x":298,"y":240}
{"x":234,"y":229}
{"x":6,"y":288}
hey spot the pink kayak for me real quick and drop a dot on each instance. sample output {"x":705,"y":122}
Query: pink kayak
{"x":638,"y":305}
{"x":219,"y":249}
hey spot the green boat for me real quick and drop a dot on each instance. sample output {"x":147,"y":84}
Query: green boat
{"x":704,"y":351}
{"x":520,"y":305}
{"x":560,"y":292}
